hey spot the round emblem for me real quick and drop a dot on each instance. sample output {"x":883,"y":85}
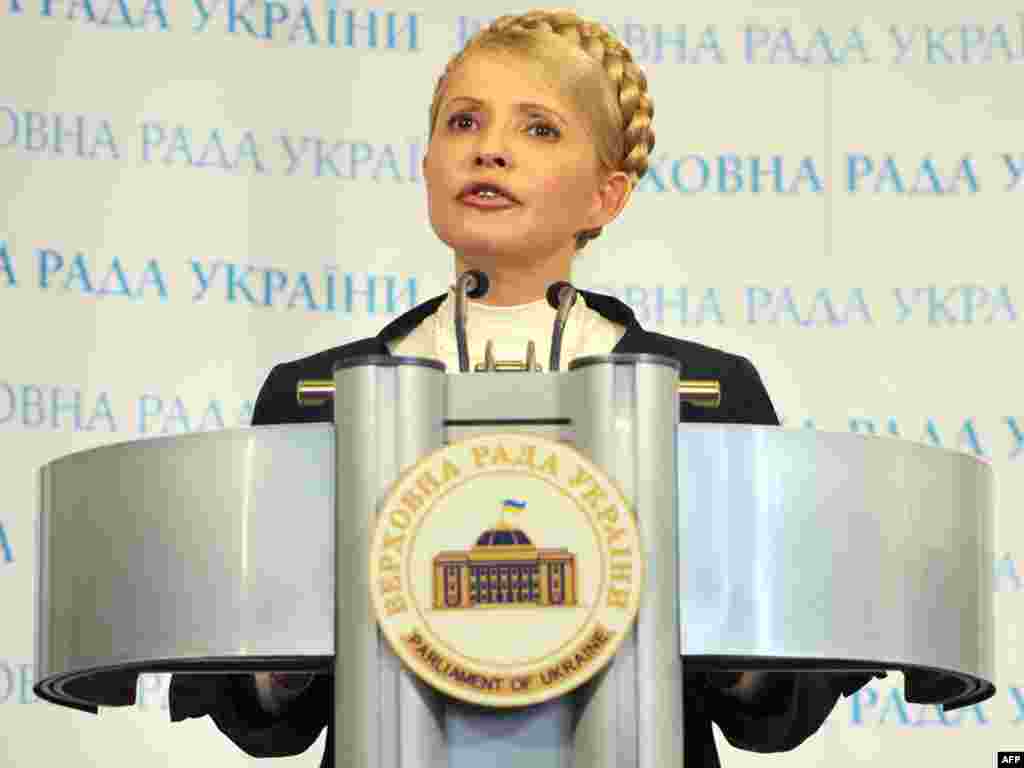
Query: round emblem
{"x":506,"y":569}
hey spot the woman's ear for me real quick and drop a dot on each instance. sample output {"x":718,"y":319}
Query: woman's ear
{"x":612,"y":196}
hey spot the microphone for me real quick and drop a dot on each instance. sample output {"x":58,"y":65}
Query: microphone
{"x":561,"y":296}
{"x":471,"y":284}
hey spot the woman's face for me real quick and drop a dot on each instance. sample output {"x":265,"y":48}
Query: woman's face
{"x":498,"y":123}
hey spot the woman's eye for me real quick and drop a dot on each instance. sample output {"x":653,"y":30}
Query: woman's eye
{"x":551,"y":130}
{"x":465,"y":121}
{"x":454,"y":119}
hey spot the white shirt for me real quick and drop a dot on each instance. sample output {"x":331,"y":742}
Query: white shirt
{"x":510,"y":328}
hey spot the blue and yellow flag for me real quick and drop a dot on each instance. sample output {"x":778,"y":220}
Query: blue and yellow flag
{"x":512,"y":505}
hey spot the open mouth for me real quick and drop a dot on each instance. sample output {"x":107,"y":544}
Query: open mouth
{"x":483,"y":201}
{"x":486,"y":195}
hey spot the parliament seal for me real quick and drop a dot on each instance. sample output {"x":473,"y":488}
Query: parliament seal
{"x":506,"y":569}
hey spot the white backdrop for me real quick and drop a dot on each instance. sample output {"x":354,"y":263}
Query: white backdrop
{"x":195,"y":191}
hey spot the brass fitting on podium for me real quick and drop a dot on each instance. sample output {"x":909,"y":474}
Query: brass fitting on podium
{"x":314,"y":391}
{"x":702,"y":393}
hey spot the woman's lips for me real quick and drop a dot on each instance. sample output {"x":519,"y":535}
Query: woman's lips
{"x":476,"y":201}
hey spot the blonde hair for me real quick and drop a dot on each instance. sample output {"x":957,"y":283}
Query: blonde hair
{"x":592,"y":68}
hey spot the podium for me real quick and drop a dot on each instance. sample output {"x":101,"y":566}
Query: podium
{"x":766,"y":549}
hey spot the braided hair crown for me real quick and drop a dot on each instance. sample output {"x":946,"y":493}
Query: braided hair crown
{"x":621,"y":121}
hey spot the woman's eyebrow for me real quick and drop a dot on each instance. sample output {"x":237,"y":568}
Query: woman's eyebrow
{"x":523,"y":106}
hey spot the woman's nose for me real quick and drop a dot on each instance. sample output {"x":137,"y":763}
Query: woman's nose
{"x":490,"y":159}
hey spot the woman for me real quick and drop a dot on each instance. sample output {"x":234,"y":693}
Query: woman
{"x":540,"y":130}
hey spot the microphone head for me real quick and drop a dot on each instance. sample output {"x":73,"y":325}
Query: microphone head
{"x":554,"y":293}
{"x":481,"y":284}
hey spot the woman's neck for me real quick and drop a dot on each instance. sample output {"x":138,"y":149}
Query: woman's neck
{"x":510,"y":286}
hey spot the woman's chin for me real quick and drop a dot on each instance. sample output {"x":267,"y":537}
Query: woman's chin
{"x":493,"y":246}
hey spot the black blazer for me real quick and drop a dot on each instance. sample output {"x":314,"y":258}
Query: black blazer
{"x":790,"y":710}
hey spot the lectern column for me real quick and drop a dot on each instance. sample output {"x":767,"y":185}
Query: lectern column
{"x":625,"y":415}
{"x":388,"y":414}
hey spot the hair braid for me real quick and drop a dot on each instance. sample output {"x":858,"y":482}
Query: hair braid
{"x":628,"y":81}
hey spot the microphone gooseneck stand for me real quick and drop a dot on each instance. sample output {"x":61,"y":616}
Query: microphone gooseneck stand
{"x":561,"y":296}
{"x":471,"y":284}
{"x":474,"y":284}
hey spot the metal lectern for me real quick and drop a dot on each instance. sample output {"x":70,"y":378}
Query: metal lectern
{"x":247,"y":549}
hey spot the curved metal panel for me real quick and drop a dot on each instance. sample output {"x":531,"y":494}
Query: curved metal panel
{"x":821,"y":547}
{"x":215,"y":551}
{"x":201,"y":546}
